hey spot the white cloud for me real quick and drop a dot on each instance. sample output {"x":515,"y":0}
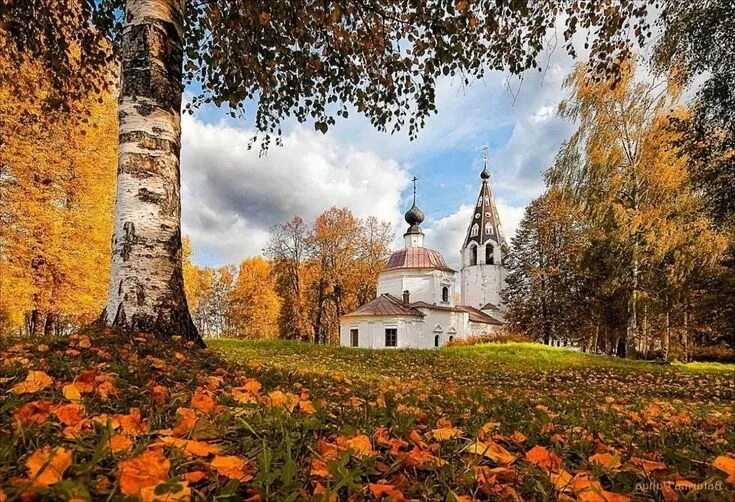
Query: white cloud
{"x":231,"y":196}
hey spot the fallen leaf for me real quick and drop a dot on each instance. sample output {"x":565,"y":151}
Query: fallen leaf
{"x":538,"y":455}
{"x":46,"y":465}
{"x":84,"y":342}
{"x":726,"y":465}
{"x":35,"y":381}
{"x":119,"y":442}
{"x":444,"y":433}
{"x":144,"y":470}
{"x":69,"y":414}
{"x":35,"y":412}
{"x":186,"y":419}
{"x":71,"y":392}
{"x":231,"y":466}
{"x":168,"y":492}
{"x":202,"y":401}
{"x":605,"y":460}
{"x":493,"y":451}
{"x":283,"y":400}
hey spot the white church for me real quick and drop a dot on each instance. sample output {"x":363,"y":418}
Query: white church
{"x":415,"y":306}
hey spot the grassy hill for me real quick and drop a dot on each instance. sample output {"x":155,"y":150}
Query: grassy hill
{"x":102,"y":416}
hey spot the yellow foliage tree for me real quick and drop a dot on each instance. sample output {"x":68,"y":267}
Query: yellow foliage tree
{"x":57,"y":178}
{"x":254,"y":302}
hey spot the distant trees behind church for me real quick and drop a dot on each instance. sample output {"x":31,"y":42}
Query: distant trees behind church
{"x":312,"y":273}
{"x":621,"y":254}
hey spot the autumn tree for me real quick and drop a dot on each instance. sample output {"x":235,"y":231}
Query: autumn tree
{"x":625,"y":169}
{"x":288,"y":251}
{"x":254,"y":302}
{"x":544,"y":282}
{"x":56,"y":179}
{"x":312,"y":61}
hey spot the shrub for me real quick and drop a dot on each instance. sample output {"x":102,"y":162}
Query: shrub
{"x":713,"y":354}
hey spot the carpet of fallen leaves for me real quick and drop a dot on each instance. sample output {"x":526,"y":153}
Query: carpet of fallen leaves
{"x":101,"y":416}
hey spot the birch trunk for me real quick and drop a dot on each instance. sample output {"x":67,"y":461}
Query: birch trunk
{"x":146,"y":290}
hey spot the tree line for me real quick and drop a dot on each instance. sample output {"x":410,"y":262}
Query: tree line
{"x":626,"y":252}
{"x":310,"y":276}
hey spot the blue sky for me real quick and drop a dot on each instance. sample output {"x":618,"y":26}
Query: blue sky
{"x":231,"y":196}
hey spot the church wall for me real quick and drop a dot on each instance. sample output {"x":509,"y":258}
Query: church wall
{"x":371,"y":331}
{"x":423,"y":285}
{"x":482,"y":284}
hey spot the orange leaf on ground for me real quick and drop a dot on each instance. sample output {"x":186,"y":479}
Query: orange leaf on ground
{"x":493,"y":451}
{"x":605,"y":460}
{"x":283,"y":400}
{"x":119,"y":443}
{"x":186,"y":419}
{"x":444,"y":433}
{"x":69,"y":414}
{"x":380,"y":490}
{"x":35,"y":381}
{"x":170,"y":492}
{"x":648,"y":465}
{"x":542,"y":457}
{"x":726,"y":465}
{"x":202,"y":401}
{"x":252,"y":385}
{"x":71,"y":392}
{"x":34,"y":412}
{"x":197,"y":448}
{"x":46,"y":465}
{"x":195,"y":476}
{"x":306,"y":406}
{"x":421,"y":459}
{"x":147,"y":469}
{"x":319,"y":468}
{"x":84,"y":342}
{"x":131,"y":423}
{"x":231,"y":466}
{"x":359,"y":444}
{"x":518,"y":437}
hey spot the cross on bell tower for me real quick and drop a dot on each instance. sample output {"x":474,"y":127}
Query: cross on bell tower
{"x":414,"y":236}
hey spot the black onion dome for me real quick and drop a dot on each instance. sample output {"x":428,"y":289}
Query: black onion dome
{"x":414,"y":216}
{"x":485,"y":174}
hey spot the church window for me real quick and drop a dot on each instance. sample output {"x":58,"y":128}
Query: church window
{"x":488,"y":228}
{"x":477,"y":215}
{"x":451,"y":338}
{"x":354,"y":337}
{"x":445,"y":294}
{"x":487,"y":200}
{"x":487,"y":215}
{"x":475,"y":230}
{"x":436,"y":341}
{"x":391,"y":337}
{"x":479,"y":202}
{"x":489,"y":254}
{"x":473,"y":255}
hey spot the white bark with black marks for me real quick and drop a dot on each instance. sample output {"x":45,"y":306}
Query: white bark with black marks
{"x":146,"y":290}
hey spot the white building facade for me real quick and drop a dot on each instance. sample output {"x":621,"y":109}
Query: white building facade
{"x":415,"y":306}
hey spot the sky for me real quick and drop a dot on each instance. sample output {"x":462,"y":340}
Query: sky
{"x":231,"y":196}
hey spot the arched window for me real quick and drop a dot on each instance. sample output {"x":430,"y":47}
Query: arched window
{"x":473,"y":255}
{"x":489,"y":254}
{"x":451,"y":338}
{"x":445,"y":294}
{"x":436,"y":341}
{"x":475,"y":230}
{"x":488,"y":228}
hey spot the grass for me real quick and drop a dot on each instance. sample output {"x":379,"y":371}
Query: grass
{"x":355,"y":424}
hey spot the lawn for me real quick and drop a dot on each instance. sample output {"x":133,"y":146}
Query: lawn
{"x":273,"y":420}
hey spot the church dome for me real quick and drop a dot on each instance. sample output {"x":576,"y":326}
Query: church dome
{"x":414,"y":216}
{"x":417,"y":257}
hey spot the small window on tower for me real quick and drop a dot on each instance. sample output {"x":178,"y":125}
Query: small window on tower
{"x":487,"y":200}
{"x":488,"y":228}
{"x":489,"y":254}
{"x":479,"y":202}
{"x":445,"y":294}
{"x":473,"y":255}
{"x":475,"y":230}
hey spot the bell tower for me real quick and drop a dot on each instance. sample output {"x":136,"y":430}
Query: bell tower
{"x":484,"y":252}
